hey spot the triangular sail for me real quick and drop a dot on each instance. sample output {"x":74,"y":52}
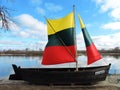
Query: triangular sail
{"x":61,"y":45}
{"x":92,"y":52}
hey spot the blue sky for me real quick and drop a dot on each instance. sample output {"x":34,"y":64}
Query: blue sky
{"x":101,"y":17}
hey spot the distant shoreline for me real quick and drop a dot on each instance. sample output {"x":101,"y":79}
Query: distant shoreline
{"x":21,"y":53}
{"x":40,"y":53}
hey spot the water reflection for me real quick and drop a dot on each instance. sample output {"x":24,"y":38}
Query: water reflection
{"x":7,"y":61}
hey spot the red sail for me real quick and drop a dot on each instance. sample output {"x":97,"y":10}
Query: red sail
{"x":92,"y":54}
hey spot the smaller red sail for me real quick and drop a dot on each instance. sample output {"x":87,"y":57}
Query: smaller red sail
{"x":92,"y":53}
{"x":91,"y":50}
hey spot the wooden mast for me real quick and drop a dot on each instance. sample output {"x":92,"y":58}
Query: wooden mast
{"x":75,"y":38}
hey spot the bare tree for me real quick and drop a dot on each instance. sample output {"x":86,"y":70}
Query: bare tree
{"x":5,"y":17}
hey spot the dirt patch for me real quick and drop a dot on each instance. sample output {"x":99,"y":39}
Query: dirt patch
{"x":33,"y":87}
{"x":112,"y":83}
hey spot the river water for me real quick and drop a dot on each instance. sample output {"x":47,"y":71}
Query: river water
{"x":32,"y":62}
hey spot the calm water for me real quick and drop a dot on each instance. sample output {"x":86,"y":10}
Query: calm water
{"x":7,"y":61}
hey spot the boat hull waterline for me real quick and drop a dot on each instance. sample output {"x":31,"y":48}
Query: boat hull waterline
{"x":60,"y":76}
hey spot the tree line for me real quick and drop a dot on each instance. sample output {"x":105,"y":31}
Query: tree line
{"x":29,"y":52}
{"x":21,"y":52}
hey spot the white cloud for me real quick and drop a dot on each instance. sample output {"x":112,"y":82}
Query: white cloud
{"x":30,"y":27}
{"x":0,"y":23}
{"x":107,"y":41}
{"x":24,"y":34}
{"x":28,"y":21}
{"x":101,"y":42}
{"x":41,"y":10}
{"x":9,"y":42}
{"x":46,"y":7}
{"x":36,"y":2}
{"x":80,"y":42}
{"x":98,"y":1}
{"x":27,"y":30}
{"x":52,"y":7}
{"x":111,"y":6}
{"x":112,"y":26}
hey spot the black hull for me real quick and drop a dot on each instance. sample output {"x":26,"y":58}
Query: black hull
{"x":62,"y":76}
